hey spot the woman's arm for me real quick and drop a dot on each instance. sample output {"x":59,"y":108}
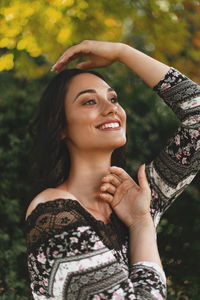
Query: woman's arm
{"x":131,"y":203}
{"x":177,"y":164}
{"x":147,"y":68}
{"x":142,"y":241}
{"x":102,"y":54}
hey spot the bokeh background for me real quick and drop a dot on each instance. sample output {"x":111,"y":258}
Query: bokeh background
{"x":33,"y":34}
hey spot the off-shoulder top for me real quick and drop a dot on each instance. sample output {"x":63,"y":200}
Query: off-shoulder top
{"x":71,"y":255}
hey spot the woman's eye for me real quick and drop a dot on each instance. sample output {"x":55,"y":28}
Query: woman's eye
{"x":89,"y":102}
{"x":92,"y":101}
{"x":114,"y":100}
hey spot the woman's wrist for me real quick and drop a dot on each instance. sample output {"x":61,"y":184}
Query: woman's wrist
{"x":143,"y":244}
{"x":121,"y":52}
{"x":141,"y":222}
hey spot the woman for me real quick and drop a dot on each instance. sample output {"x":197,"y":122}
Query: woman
{"x":91,"y":231}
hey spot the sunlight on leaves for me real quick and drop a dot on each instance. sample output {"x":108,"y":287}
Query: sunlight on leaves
{"x":6,"y":62}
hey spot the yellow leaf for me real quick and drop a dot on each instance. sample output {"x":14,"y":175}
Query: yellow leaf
{"x":82,"y":4}
{"x":62,"y":3}
{"x":110,"y":22}
{"x":64,"y":35}
{"x":12,"y":32}
{"x":6,"y":62}
{"x":35,"y":51}
{"x":9,"y":12}
{"x":28,"y":10}
{"x":53,"y":15}
{"x":4,"y":42}
{"x":29,"y":43}
{"x":21,"y":45}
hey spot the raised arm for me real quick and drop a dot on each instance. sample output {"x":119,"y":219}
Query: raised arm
{"x":102,"y":54}
{"x":150,"y":70}
{"x":178,"y":163}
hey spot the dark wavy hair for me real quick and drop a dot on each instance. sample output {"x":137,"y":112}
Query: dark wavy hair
{"x":49,"y":155}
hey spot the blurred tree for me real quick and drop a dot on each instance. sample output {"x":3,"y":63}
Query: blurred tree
{"x":31,"y":38}
{"x":45,"y":28}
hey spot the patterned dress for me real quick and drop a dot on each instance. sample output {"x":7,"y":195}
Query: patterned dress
{"x":71,"y":255}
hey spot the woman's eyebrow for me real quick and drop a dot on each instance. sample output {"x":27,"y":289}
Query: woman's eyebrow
{"x":84,"y":92}
{"x":91,"y":91}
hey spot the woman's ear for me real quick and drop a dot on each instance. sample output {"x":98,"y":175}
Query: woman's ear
{"x":64,"y":134}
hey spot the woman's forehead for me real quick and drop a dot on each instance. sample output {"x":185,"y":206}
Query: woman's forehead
{"x":87,"y":80}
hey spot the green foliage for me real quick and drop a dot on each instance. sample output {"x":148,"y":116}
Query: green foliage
{"x":16,"y":106}
{"x":165,"y":29}
{"x":33,"y":36}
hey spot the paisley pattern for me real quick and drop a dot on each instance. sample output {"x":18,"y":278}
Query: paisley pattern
{"x":71,"y":255}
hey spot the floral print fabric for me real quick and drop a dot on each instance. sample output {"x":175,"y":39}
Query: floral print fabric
{"x":75,"y":264}
{"x":178,"y":163}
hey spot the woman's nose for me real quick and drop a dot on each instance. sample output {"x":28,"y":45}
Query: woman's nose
{"x":109,"y":108}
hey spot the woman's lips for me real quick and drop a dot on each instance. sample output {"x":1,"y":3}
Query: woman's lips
{"x":110,"y":125}
{"x":110,"y":129}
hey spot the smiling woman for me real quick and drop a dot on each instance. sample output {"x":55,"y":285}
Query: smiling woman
{"x":91,"y":227}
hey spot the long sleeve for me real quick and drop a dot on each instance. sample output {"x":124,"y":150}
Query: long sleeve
{"x":178,"y":163}
{"x":68,"y":260}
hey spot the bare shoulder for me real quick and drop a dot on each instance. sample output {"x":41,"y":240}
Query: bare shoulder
{"x":49,"y":194}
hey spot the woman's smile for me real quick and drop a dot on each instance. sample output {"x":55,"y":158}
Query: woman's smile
{"x":110,"y":125}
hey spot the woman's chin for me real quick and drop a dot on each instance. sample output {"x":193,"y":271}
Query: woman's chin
{"x":119,"y":144}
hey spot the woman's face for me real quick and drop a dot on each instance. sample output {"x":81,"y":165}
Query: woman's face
{"x":95,"y":120}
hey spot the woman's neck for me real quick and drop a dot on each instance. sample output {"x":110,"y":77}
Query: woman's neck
{"x":84,"y":181}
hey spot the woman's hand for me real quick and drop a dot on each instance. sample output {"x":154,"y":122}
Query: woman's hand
{"x":131,"y":202}
{"x":100,"y":54}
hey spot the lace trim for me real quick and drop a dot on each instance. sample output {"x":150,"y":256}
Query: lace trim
{"x":57,"y":204}
{"x":171,"y":172}
{"x":56,"y":216}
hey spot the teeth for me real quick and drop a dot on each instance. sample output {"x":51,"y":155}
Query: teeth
{"x":109,"y":125}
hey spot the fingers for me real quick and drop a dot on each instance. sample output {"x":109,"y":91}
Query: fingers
{"x":70,"y":54}
{"x":85,"y":65}
{"x":107,"y":197}
{"x":111,"y":178}
{"x":120,"y":173}
{"x":109,"y":188}
{"x":142,"y":179}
